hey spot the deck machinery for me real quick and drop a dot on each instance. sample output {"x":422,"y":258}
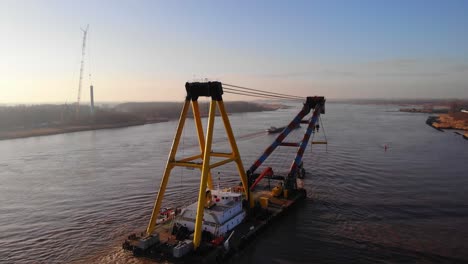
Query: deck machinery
{"x":223,"y":221}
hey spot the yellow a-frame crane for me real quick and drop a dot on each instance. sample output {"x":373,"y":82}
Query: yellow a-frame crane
{"x":202,"y":160}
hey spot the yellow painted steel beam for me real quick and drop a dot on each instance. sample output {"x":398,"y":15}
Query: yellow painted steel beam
{"x":235,"y":151}
{"x":222,"y":155}
{"x":200,"y":134}
{"x":220,"y":163}
{"x":167,"y":171}
{"x":198,"y":125}
{"x":209,"y":181}
{"x":199,"y":156}
{"x":204,"y":176}
{"x":187,"y":164}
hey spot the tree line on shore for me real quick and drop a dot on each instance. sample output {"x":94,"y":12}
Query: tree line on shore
{"x":23,"y":117}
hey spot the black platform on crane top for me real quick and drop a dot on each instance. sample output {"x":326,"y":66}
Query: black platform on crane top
{"x":313,"y":101}
{"x":208,"y":89}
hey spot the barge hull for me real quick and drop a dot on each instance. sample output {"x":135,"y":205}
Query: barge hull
{"x":258,"y":219}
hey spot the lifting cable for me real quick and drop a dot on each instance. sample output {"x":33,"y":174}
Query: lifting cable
{"x":240,"y":90}
{"x":262,"y":91}
{"x":312,"y":140}
{"x":259,"y":96}
{"x":324,"y":134}
{"x":246,"y":91}
{"x":262,"y":94}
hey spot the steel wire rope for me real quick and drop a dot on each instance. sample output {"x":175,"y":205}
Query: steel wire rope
{"x":324,"y":134}
{"x":259,"y":96}
{"x":258,"y":90}
{"x":277,"y":157}
{"x":312,"y":140}
{"x":263,"y":94}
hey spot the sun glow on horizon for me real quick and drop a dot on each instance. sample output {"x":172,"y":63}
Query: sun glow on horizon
{"x":146,"y":51}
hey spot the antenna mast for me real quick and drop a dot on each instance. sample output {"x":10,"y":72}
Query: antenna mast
{"x":83,"y":49}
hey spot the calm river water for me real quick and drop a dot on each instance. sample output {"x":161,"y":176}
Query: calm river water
{"x":74,"y":197}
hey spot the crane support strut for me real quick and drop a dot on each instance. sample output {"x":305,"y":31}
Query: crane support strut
{"x":202,"y":160}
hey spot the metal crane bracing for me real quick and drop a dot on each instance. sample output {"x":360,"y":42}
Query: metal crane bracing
{"x":317,"y":103}
{"x":256,"y":205}
{"x":195,"y":90}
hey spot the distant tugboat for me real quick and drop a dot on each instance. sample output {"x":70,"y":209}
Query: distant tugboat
{"x":274,"y":130}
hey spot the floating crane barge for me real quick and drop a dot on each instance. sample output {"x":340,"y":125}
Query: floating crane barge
{"x":223,"y":221}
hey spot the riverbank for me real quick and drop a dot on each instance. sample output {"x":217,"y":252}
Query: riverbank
{"x":123,"y":115}
{"x":450,"y":121}
{"x":35,"y":132}
{"x":425,"y":110}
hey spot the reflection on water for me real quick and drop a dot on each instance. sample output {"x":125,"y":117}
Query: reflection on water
{"x":74,"y":197}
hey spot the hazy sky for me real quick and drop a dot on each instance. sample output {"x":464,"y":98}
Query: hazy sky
{"x":147,"y":50}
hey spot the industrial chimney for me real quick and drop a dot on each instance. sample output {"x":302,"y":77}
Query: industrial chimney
{"x":92,"y":99}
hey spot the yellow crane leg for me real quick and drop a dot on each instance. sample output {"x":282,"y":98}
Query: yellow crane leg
{"x":210,"y":181}
{"x":201,"y":139}
{"x":167,"y":171}
{"x":204,"y":175}
{"x":235,"y":150}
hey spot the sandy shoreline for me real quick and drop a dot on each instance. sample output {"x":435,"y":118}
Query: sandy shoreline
{"x":450,"y":121}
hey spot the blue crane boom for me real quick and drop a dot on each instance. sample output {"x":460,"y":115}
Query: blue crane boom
{"x":315,"y":103}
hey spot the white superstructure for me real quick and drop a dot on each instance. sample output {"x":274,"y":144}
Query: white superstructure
{"x":222,"y":217}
